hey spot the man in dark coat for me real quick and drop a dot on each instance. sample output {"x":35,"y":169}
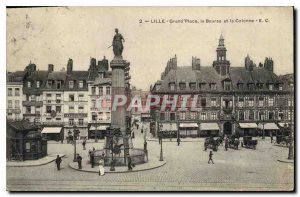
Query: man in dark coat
{"x":210,"y":157}
{"x":178,"y":141}
{"x":129,"y":162}
{"x":58,"y":161}
{"x":92,"y":159}
{"x":79,"y":160}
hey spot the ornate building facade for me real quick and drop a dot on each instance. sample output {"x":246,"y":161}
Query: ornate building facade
{"x":245,"y":100}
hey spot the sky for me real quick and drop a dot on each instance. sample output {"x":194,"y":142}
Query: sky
{"x":53,"y":35}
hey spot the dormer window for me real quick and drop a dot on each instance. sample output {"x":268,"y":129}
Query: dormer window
{"x":157,"y":86}
{"x":172,"y":86}
{"x":80,"y":84}
{"x":193,"y":86}
{"x":227,"y":85}
{"x":260,"y":86}
{"x":251,"y":86}
{"x":240,"y":86}
{"x":213,"y":86}
{"x":71,"y":84}
{"x":58,"y":85}
{"x":201,"y":86}
{"x":280,"y":87}
{"x":38,"y":84}
{"x":49,"y":84}
{"x":182,"y":86}
{"x":29,"y":84}
{"x":271,"y":86}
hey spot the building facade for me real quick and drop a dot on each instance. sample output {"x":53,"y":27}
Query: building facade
{"x":221,"y":99}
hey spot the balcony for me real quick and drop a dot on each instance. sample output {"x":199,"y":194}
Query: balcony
{"x":75,"y":115}
{"x":14,"y":111}
{"x":33,"y":103}
{"x":37,"y":114}
{"x":227,"y":110}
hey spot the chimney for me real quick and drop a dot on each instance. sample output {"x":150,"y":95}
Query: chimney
{"x":50,"y":68}
{"x":104,"y":63}
{"x":195,"y":63}
{"x":70,"y":66}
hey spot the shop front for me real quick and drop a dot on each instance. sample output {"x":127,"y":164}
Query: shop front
{"x":248,"y":129}
{"x":268,"y":128}
{"x":209,"y":129}
{"x":169,"y":130}
{"x":188,"y":130}
{"x":97,"y":131}
{"x":53,"y":133}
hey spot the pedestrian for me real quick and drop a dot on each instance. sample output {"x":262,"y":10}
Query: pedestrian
{"x":79,"y":160}
{"x":271,"y":138}
{"x":129,"y":162}
{"x":142,"y":130}
{"x":178,"y":141}
{"x":83,"y":144}
{"x":226,"y":145}
{"x":94,"y":149}
{"x":92,"y":159}
{"x":210,"y":157}
{"x":58,"y":161}
{"x":101,"y":167}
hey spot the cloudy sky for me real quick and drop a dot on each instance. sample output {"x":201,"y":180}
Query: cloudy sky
{"x":52,"y":35}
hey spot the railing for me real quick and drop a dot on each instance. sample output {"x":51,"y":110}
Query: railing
{"x":32,"y":103}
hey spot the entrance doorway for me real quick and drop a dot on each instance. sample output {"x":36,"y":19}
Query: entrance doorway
{"x":227,"y":128}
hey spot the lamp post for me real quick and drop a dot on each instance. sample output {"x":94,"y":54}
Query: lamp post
{"x":75,"y":132}
{"x":291,"y":134}
{"x":161,"y":158}
{"x":112,"y":167}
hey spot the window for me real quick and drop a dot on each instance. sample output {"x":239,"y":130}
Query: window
{"x":71,"y":121}
{"x":9,"y":103}
{"x":193,"y":115}
{"x":49,"y":84}
{"x":48,"y":109}
{"x":94,"y":117}
{"x":107,"y":115}
{"x":203,"y":116}
{"x":213,"y":102}
{"x":101,"y":75}
{"x":260,"y":86}
{"x":9,"y":92}
{"x":93,"y":90}
{"x":241,"y":102}
{"x":280,"y":115}
{"x":58,"y":119}
{"x":58,"y":85}
{"x":17,"y":92}
{"x":251,"y":115}
{"x":101,"y":90}
{"x":80,"y":121}
{"x":261,"y":102}
{"x":17,"y":104}
{"x":172,"y":116}
{"x":93,"y":103}
{"x":157,"y":86}
{"x":251,"y":86}
{"x":193,"y":86}
{"x":213,"y":86}
{"x":241,"y":115}
{"x":290,"y":102}
{"x":71,"y":109}
{"x":80,"y":109}
{"x":58,"y":109}
{"x":182,"y":115}
{"x":251,"y":102}
{"x":227,"y":85}
{"x":80,"y":97}
{"x":162,"y":116}
{"x":201,"y":86}
{"x":214,"y":116}
{"x":271,"y":115}
{"x":80,"y":84}
{"x":172,"y":86}
{"x":271,"y":101}
{"x":28,"y":84}
{"x":182,"y":86}
{"x":107,"y":90}
{"x":28,"y":110}
{"x":240,"y":86}
{"x":38,"y":84}
{"x":203,"y":102}
{"x":71,"y":84}
{"x":71,"y":97}
{"x":280,"y":87}
{"x":271,"y":86}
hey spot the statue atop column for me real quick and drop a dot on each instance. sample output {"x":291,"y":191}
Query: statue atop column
{"x":118,"y":44}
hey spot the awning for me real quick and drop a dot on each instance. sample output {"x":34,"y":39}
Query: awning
{"x":188,"y":125}
{"x":51,"y":130}
{"x":169,"y":127}
{"x":281,"y":124}
{"x":209,"y":126}
{"x":248,"y":125}
{"x":99,"y":128}
{"x":268,"y":126}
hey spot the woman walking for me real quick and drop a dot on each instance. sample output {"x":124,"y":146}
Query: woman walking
{"x":101,"y":167}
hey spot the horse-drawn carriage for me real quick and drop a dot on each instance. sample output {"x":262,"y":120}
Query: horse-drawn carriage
{"x":282,"y":140}
{"x":234,"y":142}
{"x":248,"y":142}
{"x":211,"y":143}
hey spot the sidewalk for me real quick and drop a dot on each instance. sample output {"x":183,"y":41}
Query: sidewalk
{"x":175,"y":139}
{"x":151,"y":164}
{"x":30,"y":163}
{"x":286,"y":160}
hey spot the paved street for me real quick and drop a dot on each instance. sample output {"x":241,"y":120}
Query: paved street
{"x":186,"y":169}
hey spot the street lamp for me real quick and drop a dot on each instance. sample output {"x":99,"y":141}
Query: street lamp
{"x":112,"y":167}
{"x":160,"y":139}
{"x":291,"y":148}
{"x":75,"y":133}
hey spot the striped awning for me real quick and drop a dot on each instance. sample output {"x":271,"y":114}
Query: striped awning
{"x":209,"y":126}
{"x":248,"y":125}
{"x":51,"y":130}
{"x":188,"y":125}
{"x":268,"y":126}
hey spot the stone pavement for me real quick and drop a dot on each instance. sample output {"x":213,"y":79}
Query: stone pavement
{"x":30,"y":163}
